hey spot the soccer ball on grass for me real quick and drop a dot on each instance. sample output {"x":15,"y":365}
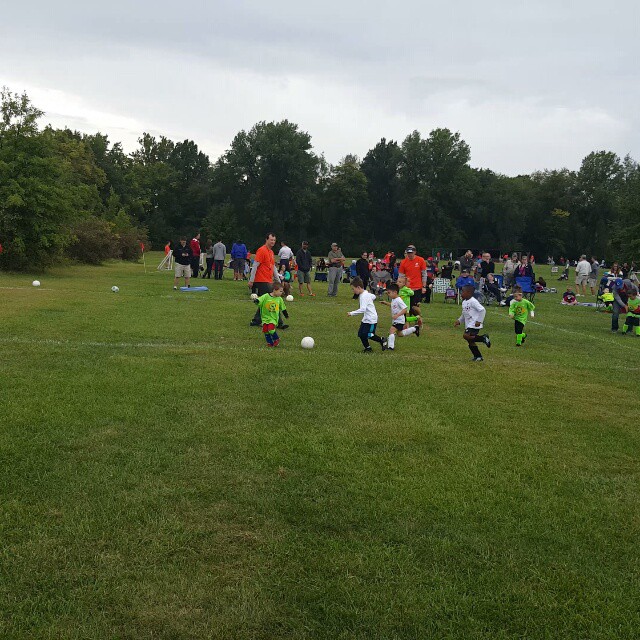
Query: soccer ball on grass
{"x":289,"y":298}
{"x":307,"y":343}
{"x":115,"y":289}
{"x":36,"y":283}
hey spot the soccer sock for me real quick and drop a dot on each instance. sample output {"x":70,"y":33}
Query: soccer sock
{"x":637,"y":330}
{"x":519,"y":338}
{"x":365,"y":342}
{"x":409,"y":331}
{"x":391,"y":340}
{"x":412,"y":318}
{"x":275,"y":337}
{"x":475,"y":350}
{"x":269,"y":339}
{"x":625,"y":328}
{"x":376,"y":338}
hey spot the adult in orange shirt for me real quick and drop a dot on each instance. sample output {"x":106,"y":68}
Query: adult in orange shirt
{"x":415,"y":268}
{"x":263,"y":273}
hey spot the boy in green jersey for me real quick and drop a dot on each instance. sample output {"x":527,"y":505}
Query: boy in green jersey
{"x":633,"y":314}
{"x":519,"y":308}
{"x":270,"y":306}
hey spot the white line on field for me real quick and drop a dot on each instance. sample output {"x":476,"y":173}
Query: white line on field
{"x":575,"y":333}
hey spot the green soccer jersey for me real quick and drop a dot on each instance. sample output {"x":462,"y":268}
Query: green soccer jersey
{"x":634,"y":305}
{"x":270,"y":308}
{"x":405,"y":294}
{"x":518,"y":310}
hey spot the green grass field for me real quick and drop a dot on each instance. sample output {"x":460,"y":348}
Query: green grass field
{"x":165,"y":475}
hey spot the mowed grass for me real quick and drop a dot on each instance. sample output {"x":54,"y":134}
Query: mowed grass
{"x":165,"y":475}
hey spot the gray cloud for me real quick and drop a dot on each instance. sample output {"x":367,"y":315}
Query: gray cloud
{"x":528,"y":85}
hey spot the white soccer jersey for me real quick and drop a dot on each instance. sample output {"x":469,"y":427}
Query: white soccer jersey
{"x":367,"y":308}
{"x":472,"y":312}
{"x":397,"y":305}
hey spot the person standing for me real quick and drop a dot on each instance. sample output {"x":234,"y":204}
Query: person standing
{"x":335,"y":258}
{"x":583,"y":271}
{"x":362,"y":269}
{"x":593,"y":276}
{"x":195,"y":255}
{"x":415,"y":268}
{"x":219,"y":254}
{"x":263,"y":273}
{"x":182,"y":257}
{"x":284,"y":255}
{"x":304,"y":261}
{"x":238,"y":257}
{"x":508,"y":271}
{"x":209,"y":257}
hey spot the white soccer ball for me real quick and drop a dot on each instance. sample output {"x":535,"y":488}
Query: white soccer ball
{"x":115,"y":289}
{"x":289,"y":298}
{"x":254,"y":296}
{"x":36,"y":283}
{"x":308,"y":343}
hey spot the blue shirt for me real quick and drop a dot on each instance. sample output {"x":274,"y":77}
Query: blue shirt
{"x":238,"y":251}
{"x":465,"y":281}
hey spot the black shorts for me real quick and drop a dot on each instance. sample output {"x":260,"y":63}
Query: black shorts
{"x":519,"y":327}
{"x":472,"y":331}
{"x":632,"y":320}
{"x":398,"y":326}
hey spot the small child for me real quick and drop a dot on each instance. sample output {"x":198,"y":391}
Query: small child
{"x":398,"y":311}
{"x":406,"y":294}
{"x":369,"y":316}
{"x":633,"y":314}
{"x":569,"y":297}
{"x":285,"y":277}
{"x":270,"y":305}
{"x":518,"y":310}
{"x":473,"y":314}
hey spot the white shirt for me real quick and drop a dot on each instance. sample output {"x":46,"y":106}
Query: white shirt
{"x":472,"y":312}
{"x":397,"y":305}
{"x":367,"y":308}
{"x":583,"y":268}
{"x":285,"y":253}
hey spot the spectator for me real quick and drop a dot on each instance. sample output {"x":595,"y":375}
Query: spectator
{"x":285,"y":254}
{"x":219,"y":255}
{"x":362,"y":269}
{"x":209,"y":258}
{"x":523,"y":269}
{"x":238,"y":258}
{"x":466,"y":261}
{"x":508,"y":270}
{"x":464,"y":280}
{"x":621,"y":290}
{"x":487,"y":265}
{"x":492,"y":286}
{"x":593,"y":276}
{"x":381,"y":277}
{"x":195,"y":255}
{"x":182,"y":256}
{"x":583,"y":270}
{"x":322,"y":265}
{"x":304,"y":262}
{"x":336,"y":263}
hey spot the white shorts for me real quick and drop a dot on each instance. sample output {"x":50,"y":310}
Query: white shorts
{"x":183,"y":270}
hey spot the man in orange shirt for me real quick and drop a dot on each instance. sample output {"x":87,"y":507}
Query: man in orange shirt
{"x":263,"y":273}
{"x":415,"y":268}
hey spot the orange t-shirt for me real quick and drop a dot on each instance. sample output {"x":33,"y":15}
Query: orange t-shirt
{"x":264,"y":272}
{"x":413,"y":270}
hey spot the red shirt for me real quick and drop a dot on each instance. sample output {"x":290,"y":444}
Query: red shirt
{"x":195,"y":248}
{"x":413,"y":270}
{"x":264,"y":272}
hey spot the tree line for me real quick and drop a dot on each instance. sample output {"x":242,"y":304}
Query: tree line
{"x":63,"y":193}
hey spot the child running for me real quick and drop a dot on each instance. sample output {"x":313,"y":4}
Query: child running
{"x":473,"y":314}
{"x":405,"y":294}
{"x":270,"y":306}
{"x":633,"y":314}
{"x":398,"y":321}
{"x":367,"y":308}
{"x":519,"y":308}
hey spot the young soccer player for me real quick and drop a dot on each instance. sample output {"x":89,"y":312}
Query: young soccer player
{"x":398,"y":322}
{"x":270,"y":305}
{"x":473,"y":315}
{"x":369,"y":314}
{"x":405,"y":294}
{"x":633,"y":314}
{"x":519,"y":308}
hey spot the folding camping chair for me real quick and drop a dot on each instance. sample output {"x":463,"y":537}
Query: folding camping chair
{"x":440,"y":285}
{"x":527,"y":286}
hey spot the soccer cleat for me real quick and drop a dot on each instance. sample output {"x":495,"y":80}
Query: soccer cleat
{"x":393,"y":348}
{"x":518,"y":344}
{"x":417,"y":331}
{"x":367,"y":350}
{"x":301,"y":294}
{"x":486,"y":340}
{"x":276,"y":342}
{"x":283,"y":326}
{"x":175,"y":288}
{"x":255,"y":323}
{"x":312,"y":295}
{"x":478,"y":359}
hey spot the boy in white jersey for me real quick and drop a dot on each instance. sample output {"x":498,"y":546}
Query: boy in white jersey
{"x":398,"y":317}
{"x":473,"y":315}
{"x":367,"y":308}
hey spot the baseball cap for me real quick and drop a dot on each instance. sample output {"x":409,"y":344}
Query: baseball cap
{"x":410,"y":249}
{"x":618,"y":282}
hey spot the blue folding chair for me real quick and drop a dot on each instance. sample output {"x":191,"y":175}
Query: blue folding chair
{"x":527,"y":286}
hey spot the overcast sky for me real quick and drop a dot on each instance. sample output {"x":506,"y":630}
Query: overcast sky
{"x":528,"y":84}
